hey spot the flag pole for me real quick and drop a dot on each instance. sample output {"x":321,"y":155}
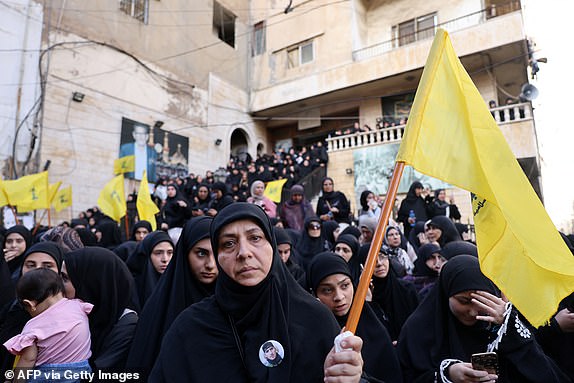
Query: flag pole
{"x":14,"y":213}
{"x":49,"y":217}
{"x":376,"y":244}
{"x":127,"y":227}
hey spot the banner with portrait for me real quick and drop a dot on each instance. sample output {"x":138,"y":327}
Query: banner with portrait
{"x":158,"y":151}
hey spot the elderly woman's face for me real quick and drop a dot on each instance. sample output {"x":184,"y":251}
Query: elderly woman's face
{"x":245,"y":255}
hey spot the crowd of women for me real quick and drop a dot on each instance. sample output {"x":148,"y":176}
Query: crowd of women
{"x":257,"y":293}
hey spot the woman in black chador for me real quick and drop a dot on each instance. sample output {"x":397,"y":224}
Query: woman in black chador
{"x":332,"y":205}
{"x":189,"y":278}
{"x":256,"y":300}
{"x":463,"y":315}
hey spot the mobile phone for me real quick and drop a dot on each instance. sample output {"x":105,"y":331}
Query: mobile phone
{"x":485,"y":361}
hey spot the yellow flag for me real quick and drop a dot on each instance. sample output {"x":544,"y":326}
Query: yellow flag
{"x":112,"y":200}
{"x":53,"y":189}
{"x":62,"y":199}
{"x":146,"y":208}
{"x":273,"y":190}
{"x":124,"y":164}
{"x":452,"y":136}
{"x":29,"y":192}
{"x":3,"y":198}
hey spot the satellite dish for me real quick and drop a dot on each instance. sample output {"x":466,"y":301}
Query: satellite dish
{"x":528,"y":92}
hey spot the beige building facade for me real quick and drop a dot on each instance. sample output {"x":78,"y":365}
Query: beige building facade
{"x":253,"y":75}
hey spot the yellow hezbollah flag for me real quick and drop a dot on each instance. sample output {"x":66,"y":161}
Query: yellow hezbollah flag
{"x":52,"y":190}
{"x":273,"y":190}
{"x":3,"y":198}
{"x":62,"y":199}
{"x":124,"y":164}
{"x":29,"y":192}
{"x":146,"y":208}
{"x":112,"y":200}
{"x":452,"y":136}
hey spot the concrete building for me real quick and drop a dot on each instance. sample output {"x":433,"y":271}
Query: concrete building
{"x":237,"y":77}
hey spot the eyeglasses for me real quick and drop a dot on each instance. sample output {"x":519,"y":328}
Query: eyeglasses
{"x":315,"y":226}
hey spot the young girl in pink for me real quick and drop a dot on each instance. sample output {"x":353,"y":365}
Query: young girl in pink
{"x":56,"y":341}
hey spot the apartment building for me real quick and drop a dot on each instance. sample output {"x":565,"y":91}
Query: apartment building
{"x":210,"y":78}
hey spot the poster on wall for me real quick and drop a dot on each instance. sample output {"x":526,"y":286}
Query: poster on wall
{"x":373,"y":169}
{"x":161,"y":153}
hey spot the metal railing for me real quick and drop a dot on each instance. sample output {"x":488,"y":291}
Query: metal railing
{"x":502,"y":114}
{"x":453,"y":25}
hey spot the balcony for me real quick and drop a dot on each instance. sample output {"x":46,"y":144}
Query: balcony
{"x":454,"y":25}
{"x":508,"y":118}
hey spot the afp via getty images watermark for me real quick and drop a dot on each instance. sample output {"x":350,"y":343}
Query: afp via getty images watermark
{"x":70,"y":375}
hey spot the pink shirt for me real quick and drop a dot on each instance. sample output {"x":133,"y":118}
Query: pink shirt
{"x":61,"y":333}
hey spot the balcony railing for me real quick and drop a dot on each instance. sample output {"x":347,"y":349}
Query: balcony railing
{"x":502,"y":114}
{"x":451,"y":26}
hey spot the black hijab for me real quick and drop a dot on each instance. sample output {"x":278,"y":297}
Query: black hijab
{"x":145,"y":275}
{"x":15,"y":263}
{"x":50,"y":248}
{"x":234,"y":324}
{"x":282,"y":237}
{"x":433,"y":333}
{"x":447,"y":227}
{"x":396,"y":298}
{"x":102,"y":279}
{"x":425,"y":252}
{"x":176,"y":290}
{"x":87,"y":237}
{"x":378,"y":352}
{"x":455,"y":248}
{"x":143,"y":223}
{"x":126,"y":249}
{"x":355,"y":262}
{"x":111,"y":234}
{"x":308,"y":246}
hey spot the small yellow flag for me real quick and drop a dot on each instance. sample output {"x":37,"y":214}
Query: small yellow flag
{"x":3,"y":198}
{"x":124,"y":164}
{"x":62,"y":199}
{"x":146,"y":208}
{"x":273,"y":190}
{"x":53,"y":189}
{"x":29,"y":192}
{"x":452,"y":136}
{"x":112,"y":200}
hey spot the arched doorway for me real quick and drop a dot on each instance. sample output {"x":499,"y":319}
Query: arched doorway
{"x":240,"y":144}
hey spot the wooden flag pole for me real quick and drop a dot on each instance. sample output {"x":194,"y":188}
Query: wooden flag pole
{"x":127,"y":227}
{"x":365,"y":280}
{"x":14,"y":213}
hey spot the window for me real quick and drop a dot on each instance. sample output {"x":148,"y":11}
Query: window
{"x":138,"y":9}
{"x":300,"y":54}
{"x":258,"y":38}
{"x":224,"y":24}
{"x":413,"y":30}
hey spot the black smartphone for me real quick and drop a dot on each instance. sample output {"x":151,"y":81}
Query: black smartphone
{"x":485,"y":361}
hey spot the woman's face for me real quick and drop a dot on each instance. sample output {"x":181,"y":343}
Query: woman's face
{"x":160,"y":256}
{"x":244,"y":253}
{"x":328,"y":186}
{"x":336,"y":292}
{"x":432,"y":232}
{"x":284,"y":250}
{"x":202,"y":193}
{"x":69,"y":289}
{"x":171,"y":192}
{"x":435,"y":262}
{"x":38,"y":260}
{"x":441,"y":195}
{"x":464,"y":308}
{"x":344,"y":251}
{"x":140,"y":233}
{"x":15,"y":242}
{"x":259,"y":189}
{"x":393,"y":238}
{"x":382,"y":267}
{"x":314,"y":229}
{"x":202,"y":262}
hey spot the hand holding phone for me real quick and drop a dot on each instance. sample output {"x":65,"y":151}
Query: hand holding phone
{"x":485,"y":361}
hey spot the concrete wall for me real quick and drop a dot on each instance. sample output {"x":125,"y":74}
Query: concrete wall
{"x":82,"y":139}
{"x":20,"y":42}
